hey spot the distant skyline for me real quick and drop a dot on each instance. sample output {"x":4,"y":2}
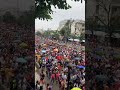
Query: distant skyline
{"x":76,"y":12}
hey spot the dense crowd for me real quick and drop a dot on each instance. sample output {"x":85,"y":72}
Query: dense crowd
{"x":16,"y":56}
{"x":103,"y":68}
{"x":57,"y":60}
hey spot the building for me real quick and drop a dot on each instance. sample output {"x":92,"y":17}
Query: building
{"x":77,"y":27}
{"x":95,"y":12}
{"x":62,"y":24}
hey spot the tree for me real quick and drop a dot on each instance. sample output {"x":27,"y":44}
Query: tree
{"x":56,"y":35}
{"x":43,"y":8}
{"x":105,"y":17}
{"x":91,"y":25}
{"x":38,"y":33}
{"x":66,"y":30}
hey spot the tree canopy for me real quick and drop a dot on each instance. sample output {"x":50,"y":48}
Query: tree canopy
{"x":43,"y":8}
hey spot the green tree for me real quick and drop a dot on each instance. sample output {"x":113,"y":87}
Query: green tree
{"x":38,"y":33}
{"x":56,"y":35}
{"x":66,"y":30}
{"x":43,"y":8}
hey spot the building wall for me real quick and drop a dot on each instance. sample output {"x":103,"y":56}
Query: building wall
{"x":78,"y":27}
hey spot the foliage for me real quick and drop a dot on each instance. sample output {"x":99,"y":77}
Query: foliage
{"x":65,"y":31}
{"x":43,"y":8}
{"x":38,"y":33}
{"x":56,"y":35}
{"x":47,"y":33}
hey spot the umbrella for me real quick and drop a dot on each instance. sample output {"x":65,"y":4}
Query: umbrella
{"x":101,"y":78}
{"x":71,"y":65}
{"x":16,"y":41}
{"x":81,"y":66}
{"x":23,"y":45}
{"x":43,"y":51}
{"x":77,"y":58}
{"x":21,"y":60}
{"x":76,"y":88}
{"x":28,"y":58}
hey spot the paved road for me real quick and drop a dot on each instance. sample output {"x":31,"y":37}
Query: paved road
{"x":37,"y":77}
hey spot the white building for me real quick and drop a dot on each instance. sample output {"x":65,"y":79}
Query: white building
{"x":77,"y":26}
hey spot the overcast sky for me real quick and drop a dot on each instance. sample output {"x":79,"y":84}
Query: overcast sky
{"x":76,"y":12}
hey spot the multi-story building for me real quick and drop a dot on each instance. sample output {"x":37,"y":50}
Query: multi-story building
{"x":77,"y":27}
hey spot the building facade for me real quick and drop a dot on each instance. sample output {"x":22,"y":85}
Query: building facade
{"x":77,"y":27}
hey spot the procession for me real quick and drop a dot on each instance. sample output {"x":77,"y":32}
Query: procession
{"x":54,"y":61}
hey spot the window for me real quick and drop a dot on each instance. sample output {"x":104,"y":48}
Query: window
{"x":83,"y":25}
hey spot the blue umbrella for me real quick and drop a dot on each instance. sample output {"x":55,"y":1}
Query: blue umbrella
{"x":43,"y":51}
{"x":21,"y":60}
{"x":77,"y":58}
{"x":81,"y":66}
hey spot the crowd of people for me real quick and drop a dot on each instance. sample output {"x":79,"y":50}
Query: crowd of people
{"x":94,"y":68}
{"x":16,"y":56}
{"x":101,"y":62}
{"x":102,"y":72}
{"x":57,"y":60}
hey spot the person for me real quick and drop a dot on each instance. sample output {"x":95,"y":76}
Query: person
{"x":42,"y":82}
{"x":48,"y":87}
{"x":52,"y":77}
{"x":37,"y":85}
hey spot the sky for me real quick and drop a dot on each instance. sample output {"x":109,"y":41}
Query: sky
{"x":76,"y":12}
